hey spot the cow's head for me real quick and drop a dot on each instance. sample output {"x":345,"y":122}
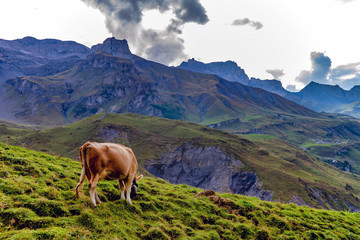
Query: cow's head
{"x":134,"y":186}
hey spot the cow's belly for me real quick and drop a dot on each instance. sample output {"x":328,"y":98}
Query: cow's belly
{"x":113,"y":175}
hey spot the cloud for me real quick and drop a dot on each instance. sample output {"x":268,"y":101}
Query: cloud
{"x":247,"y":21}
{"x":291,"y":88}
{"x":320,"y":69}
{"x":346,"y":76}
{"x":123,"y":19}
{"x":276,"y":73}
{"x":346,"y":1}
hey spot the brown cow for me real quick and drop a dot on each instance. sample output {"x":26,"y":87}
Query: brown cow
{"x":108,"y":161}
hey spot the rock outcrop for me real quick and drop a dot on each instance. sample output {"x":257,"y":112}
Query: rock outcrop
{"x":113,"y":46}
{"x":228,"y":70}
{"x":208,"y":168}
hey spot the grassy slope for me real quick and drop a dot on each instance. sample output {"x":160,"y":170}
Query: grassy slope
{"x":37,"y":201}
{"x":283,"y":169}
{"x":349,"y":152}
{"x":299,"y":129}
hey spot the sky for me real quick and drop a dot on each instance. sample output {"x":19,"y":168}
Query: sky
{"x":295,"y":41}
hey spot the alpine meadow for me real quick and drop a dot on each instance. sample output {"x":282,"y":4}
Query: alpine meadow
{"x":169,"y":126}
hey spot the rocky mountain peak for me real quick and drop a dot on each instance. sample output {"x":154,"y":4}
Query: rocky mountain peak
{"x":28,"y":40}
{"x":314,"y":86}
{"x":228,"y":70}
{"x":113,"y":46}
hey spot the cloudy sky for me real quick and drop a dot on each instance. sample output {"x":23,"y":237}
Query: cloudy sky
{"x":295,"y":41}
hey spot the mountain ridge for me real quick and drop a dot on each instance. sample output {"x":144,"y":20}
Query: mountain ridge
{"x":315,"y":96}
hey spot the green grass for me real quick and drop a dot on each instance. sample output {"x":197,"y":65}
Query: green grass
{"x":258,"y":137}
{"x":312,"y":144}
{"x":37,"y":202}
{"x":298,"y":129}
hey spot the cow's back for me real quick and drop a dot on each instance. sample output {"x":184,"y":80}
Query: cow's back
{"x":116,"y":159}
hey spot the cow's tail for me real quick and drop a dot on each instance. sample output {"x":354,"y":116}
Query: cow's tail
{"x":84,"y":164}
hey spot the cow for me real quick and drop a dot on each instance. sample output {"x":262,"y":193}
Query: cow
{"x":108,"y":161}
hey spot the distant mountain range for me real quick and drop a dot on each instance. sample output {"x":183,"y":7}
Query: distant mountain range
{"x":56,"y":82}
{"x":318,"y":97}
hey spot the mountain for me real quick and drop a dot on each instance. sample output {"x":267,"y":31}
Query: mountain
{"x":37,"y":202}
{"x":30,"y":56}
{"x":111,"y":79}
{"x":322,"y":97}
{"x":183,"y":152}
{"x":315,"y":96}
{"x":33,"y":57}
{"x":270,"y":85}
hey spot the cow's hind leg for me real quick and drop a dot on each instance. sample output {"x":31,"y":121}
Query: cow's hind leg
{"x":128,"y":184}
{"x":82,"y":178}
{"x":92,"y":186}
{"x":97,"y":198}
{"x":122,"y":188}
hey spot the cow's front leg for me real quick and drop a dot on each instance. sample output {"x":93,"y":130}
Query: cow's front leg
{"x":92,"y":187}
{"x":122,"y":188}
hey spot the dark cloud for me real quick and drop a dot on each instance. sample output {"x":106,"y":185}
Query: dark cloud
{"x":192,"y":11}
{"x":124,"y":17}
{"x":276,"y":73}
{"x":320,"y":69}
{"x":247,"y":21}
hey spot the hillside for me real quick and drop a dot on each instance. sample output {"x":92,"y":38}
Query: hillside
{"x":183,"y":152}
{"x":37,"y":201}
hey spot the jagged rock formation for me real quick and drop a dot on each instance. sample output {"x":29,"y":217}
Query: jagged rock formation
{"x":119,"y":48}
{"x":228,"y":70}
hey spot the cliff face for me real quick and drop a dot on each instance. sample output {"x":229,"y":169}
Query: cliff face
{"x":207,"y":168}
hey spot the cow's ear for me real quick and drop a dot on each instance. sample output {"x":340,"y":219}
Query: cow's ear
{"x":139,"y":177}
